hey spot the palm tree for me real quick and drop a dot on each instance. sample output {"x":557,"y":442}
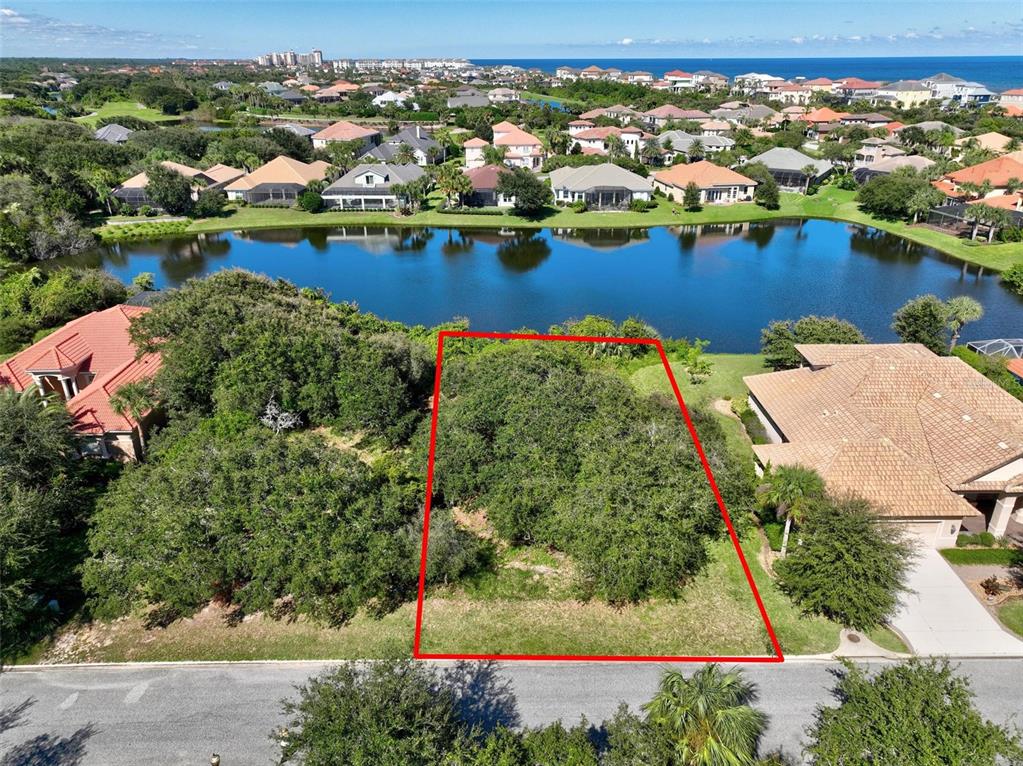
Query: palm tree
{"x":810,"y":171}
{"x":651,"y":151}
{"x":961,"y":310}
{"x":996,"y":218}
{"x":493,"y":155}
{"x":709,"y":716}
{"x":405,"y":154}
{"x":695,"y":149}
{"x":615,"y":147}
{"x":789,"y":490}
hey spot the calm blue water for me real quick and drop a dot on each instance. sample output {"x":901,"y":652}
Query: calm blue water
{"x":996,"y":72}
{"x":721,"y":283}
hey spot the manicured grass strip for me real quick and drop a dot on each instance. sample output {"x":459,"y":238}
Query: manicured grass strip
{"x":887,"y":639}
{"x":127,"y":109}
{"x":1011,"y":616}
{"x":997,"y":556}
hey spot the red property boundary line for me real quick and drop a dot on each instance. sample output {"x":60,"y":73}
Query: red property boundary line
{"x":417,"y":653}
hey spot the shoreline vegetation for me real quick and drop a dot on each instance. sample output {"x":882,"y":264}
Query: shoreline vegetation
{"x":830,"y":203}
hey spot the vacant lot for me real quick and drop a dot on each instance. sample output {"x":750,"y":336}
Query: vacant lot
{"x":126,"y":109}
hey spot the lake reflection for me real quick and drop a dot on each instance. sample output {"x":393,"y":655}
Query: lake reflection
{"x":721,"y":282}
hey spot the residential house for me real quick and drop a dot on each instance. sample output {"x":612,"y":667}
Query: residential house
{"x":223,"y":86}
{"x":280,"y":180}
{"x":346,"y":131}
{"x":567,"y":73}
{"x":466,"y":102}
{"x":680,"y":81}
{"x":752,"y":82}
{"x":299,"y":130}
{"x":293,"y":97}
{"x":715,"y":128}
{"x":743,"y":114}
{"x":339,"y":91}
{"x":787,"y":168}
{"x":619,"y":112}
{"x":390,"y":98}
{"x":577,"y":126}
{"x":601,"y":187}
{"x":931,"y":442}
{"x":873,"y":150}
{"x":83,"y":364}
{"x":1011,"y":97}
{"x":993,"y":142}
{"x":942,"y":85}
{"x":706,"y":80}
{"x":113,"y":133}
{"x":868,"y":120}
{"x":370,"y":187}
{"x":427,"y":150}
{"x":484,"y":187}
{"x":902,"y":94}
{"x":596,"y":139}
{"x":678,"y":142}
{"x":474,"y":148}
{"x":995,"y":174}
{"x":971,"y":94}
{"x":522,"y":149}
{"x":820,"y":85}
{"x":638,"y":77}
{"x":822,"y":116}
{"x":931,"y":126}
{"x":132,"y":192}
{"x":853,"y":88}
{"x":882,"y":167}
{"x":717,"y":185}
{"x":273,"y":88}
{"x":792,"y":93}
{"x":503,"y":96}
{"x":591,"y":73}
{"x":660,"y":116}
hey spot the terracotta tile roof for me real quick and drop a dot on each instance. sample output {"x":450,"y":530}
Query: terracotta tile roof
{"x":998,"y":171}
{"x":485,"y":178}
{"x":904,"y":409}
{"x":704,"y":174}
{"x":1004,"y":201}
{"x":992,"y":141}
{"x":221,"y":173}
{"x":824,"y":114}
{"x":344,"y":131}
{"x":98,"y":343}
{"x":827,"y":354}
{"x":1016,"y":367}
{"x":282,"y":170}
{"x":475,"y":142}
{"x":512,"y":135}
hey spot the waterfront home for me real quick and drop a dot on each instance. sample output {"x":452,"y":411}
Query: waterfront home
{"x":82,"y":365}
{"x":788,"y":168}
{"x":930,"y":441}
{"x":484,"y":187}
{"x":680,"y":81}
{"x":113,"y":133}
{"x":995,"y":174}
{"x":1011,"y":97}
{"x":521,"y":149}
{"x":299,"y":130}
{"x":280,"y":180}
{"x":902,"y":94}
{"x":660,"y":116}
{"x":132,"y":192}
{"x":676,"y":142}
{"x":426,"y":149}
{"x":370,"y":187}
{"x":717,"y":185}
{"x":601,"y":187}
{"x":344,"y":131}
{"x":882,"y":167}
{"x":942,"y":85}
{"x":971,"y":93}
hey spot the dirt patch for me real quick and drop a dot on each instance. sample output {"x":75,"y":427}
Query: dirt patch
{"x":347,"y":443}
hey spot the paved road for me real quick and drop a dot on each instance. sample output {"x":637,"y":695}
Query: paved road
{"x":179,"y":714}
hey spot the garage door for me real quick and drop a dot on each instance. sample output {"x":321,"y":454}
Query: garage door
{"x":926,"y":532}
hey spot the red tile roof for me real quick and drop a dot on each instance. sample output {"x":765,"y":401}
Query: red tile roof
{"x":485,"y":178}
{"x":98,"y":343}
{"x":344,"y":131}
{"x":998,"y":171}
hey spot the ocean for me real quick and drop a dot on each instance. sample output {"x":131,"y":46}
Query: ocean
{"x":998,"y":73}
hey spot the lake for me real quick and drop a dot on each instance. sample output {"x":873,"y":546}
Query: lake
{"x":722,"y":283}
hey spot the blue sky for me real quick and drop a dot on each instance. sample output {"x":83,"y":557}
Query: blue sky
{"x":512,"y":28}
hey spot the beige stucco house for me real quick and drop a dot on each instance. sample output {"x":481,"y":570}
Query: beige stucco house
{"x":929,"y":440}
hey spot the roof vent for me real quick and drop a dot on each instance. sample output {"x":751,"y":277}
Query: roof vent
{"x":936,"y":395}
{"x":1003,"y":445}
{"x":967,"y":419}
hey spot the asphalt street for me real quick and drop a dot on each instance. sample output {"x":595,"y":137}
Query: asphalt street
{"x":181,"y":713}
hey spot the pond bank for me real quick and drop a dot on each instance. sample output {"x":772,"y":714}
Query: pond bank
{"x":830,"y":203}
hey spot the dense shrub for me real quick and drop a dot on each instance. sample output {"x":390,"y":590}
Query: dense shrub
{"x":1012,"y":278}
{"x":848,"y":564}
{"x":993,"y":368}
{"x":40,"y":300}
{"x":310,"y":201}
{"x":233,"y":510}
{"x":558,"y":450}
{"x":778,"y":340}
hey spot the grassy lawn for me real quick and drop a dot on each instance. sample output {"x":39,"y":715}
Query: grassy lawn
{"x":830,"y":203}
{"x":1011,"y":616}
{"x":544,"y":97}
{"x":996,"y":556}
{"x":887,"y":639}
{"x":126,"y":109}
{"x":725,"y":382}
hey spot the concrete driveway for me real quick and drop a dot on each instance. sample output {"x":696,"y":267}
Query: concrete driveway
{"x":942,"y":616}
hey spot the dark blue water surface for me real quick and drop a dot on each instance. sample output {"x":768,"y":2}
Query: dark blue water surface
{"x":722,"y":283}
{"x":996,"y":72}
